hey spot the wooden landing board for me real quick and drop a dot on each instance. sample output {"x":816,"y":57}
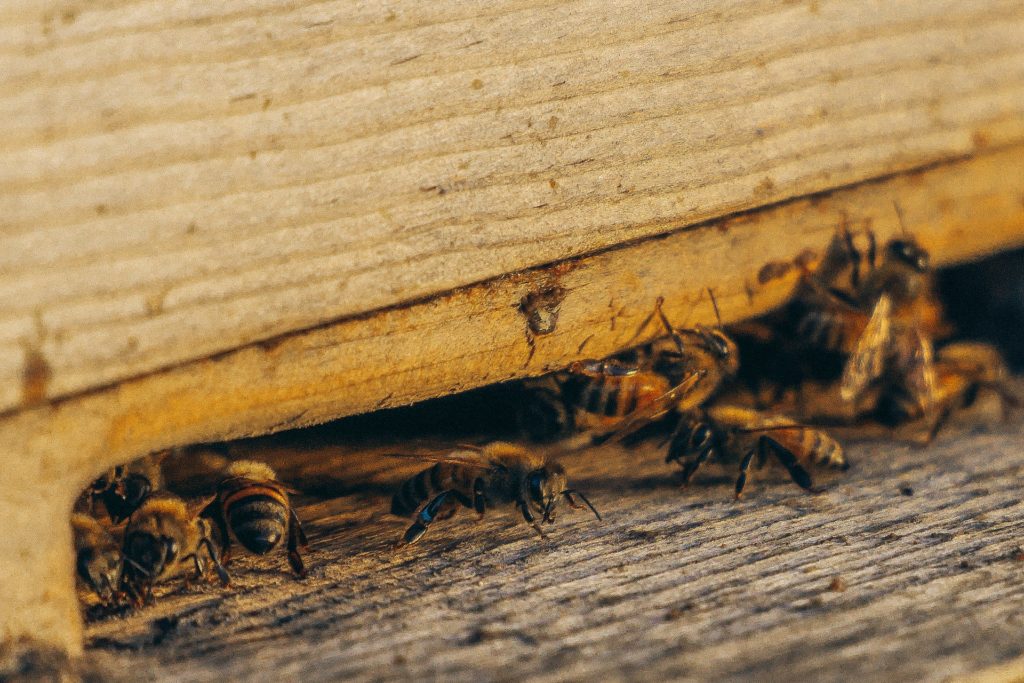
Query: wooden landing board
{"x":908,"y":567}
{"x":180,"y":179}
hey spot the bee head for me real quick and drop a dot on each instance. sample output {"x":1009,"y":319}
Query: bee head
{"x":908,"y":253}
{"x":546,"y":488}
{"x":147,"y":555}
{"x":100,"y":569}
{"x":700,"y":438}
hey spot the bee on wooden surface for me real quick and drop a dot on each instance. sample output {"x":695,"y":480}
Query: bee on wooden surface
{"x":167,"y":536}
{"x":677,"y":373}
{"x":98,"y":560}
{"x":499,"y":474}
{"x":961,"y":370}
{"x":733,"y":434}
{"x":123,"y":488}
{"x":255,"y":512}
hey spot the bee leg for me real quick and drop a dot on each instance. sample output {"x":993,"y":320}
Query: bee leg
{"x":741,"y":480}
{"x":785,"y":456}
{"x":222,"y":573}
{"x":479,"y":502}
{"x":528,"y":516}
{"x":426,"y":515}
{"x":296,"y":537}
{"x":872,"y":249}
{"x":854,"y":256}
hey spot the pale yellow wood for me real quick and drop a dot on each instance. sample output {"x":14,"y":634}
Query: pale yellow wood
{"x":463,"y":339}
{"x":178,"y":179}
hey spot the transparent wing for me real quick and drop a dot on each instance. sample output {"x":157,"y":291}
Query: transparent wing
{"x":867,"y":361}
{"x":917,"y":363}
{"x":657,"y":408}
{"x":469,"y":456}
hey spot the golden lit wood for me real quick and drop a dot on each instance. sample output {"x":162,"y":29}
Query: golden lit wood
{"x":177,"y":180}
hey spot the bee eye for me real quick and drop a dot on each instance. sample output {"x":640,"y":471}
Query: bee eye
{"x":536,"y":482}
{"x":171,"y":551}
{"x":119,"y":471}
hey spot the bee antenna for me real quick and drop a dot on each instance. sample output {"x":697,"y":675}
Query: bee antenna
{"x":899,"y":216}
{"x":138,"y":567}
{"x":714,"y":303}
{"x":568,"y":493}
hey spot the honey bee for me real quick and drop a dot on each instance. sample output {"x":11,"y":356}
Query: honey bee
{"x":879,"y":323}
{"x":677,"y":373}
{"x":98,"y":559}
{"x":167,"y":536}
{"x":123,"y":488}
{"x":733,"y":434}
{"x":961,"y":369}
{"x":255,"y":511}
{"x":499,"y":474}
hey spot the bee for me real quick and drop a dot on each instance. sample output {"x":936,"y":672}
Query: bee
{"x":123,"y":488}
{"x":961,"y":369}
{"x":733,"y":434}
{"x":167,"y":536}
{"x":499,"y":474}
{"x":677,"y":373}
{"x":254,"y":510}
{"x":98,"y":559}
{"x":871,"y":328}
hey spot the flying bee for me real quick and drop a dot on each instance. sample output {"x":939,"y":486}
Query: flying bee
{"x":677,"y":373}
{"x":255,"y":511}
{"x":734,"y":434}
{"x":165,"y":537}
{"x":123,"y":488}
{"x":98,"y":559}
{"x":499,"y":474}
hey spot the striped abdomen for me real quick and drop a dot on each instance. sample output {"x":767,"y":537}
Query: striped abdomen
{"x":442,"y":476}
{"x":811,"y":446}
{"x":256,"y":512}
{"x":612,"y":395}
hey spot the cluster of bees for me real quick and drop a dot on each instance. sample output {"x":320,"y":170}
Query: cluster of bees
{"x":860,"y":342}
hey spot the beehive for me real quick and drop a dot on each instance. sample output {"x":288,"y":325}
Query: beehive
{"x":225,"y":219}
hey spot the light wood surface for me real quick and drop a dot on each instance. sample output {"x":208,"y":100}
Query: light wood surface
{"x":179,"y":179}
{"x":908,"y":567}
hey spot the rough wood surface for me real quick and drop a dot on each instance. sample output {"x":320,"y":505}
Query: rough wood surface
{"x":464,"y":339}
{"x":178,"y":179}
{"x":908,"y":567}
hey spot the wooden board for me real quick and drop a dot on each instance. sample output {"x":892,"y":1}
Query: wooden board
{"x":463,"y":339}
{"x":907,"y":567}
{"x":177,"y":180}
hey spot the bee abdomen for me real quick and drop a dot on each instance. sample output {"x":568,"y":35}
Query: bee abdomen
{"x":259,"y":520}
{"x":431,"y":481}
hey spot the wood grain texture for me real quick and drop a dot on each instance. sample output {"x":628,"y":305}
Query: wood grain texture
{"x":177,"y":180}
{"x":861,"y":581}
{"x":467,"y":338}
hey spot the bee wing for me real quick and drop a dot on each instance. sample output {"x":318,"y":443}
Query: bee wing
{"x":644,"y":416}
{"x":469,"y":458}
{"x":917,"y":361}
{"x":867,"y":361}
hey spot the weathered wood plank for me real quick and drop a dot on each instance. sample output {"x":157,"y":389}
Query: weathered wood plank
{"x":178,"y":180}
{"x":861,"y":580}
